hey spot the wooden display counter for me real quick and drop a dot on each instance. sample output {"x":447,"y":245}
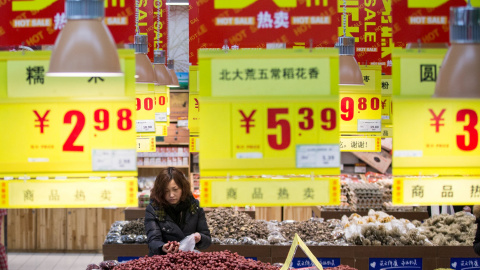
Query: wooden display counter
{"x":339,"y":214}
{"x":132,"y":213}
{"x":354,"y":256}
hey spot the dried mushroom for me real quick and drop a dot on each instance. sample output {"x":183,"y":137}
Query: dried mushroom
{"x":450,"y":230}
{"x":227,"y":223}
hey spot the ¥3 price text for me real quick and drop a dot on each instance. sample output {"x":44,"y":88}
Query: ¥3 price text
{"x":348,"y":106}
{"x":102,"y":120}
{"x":328,"y":117}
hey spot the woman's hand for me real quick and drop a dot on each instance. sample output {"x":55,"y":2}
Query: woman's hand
{"x":171,"y":247}
{"x":198,"y":237}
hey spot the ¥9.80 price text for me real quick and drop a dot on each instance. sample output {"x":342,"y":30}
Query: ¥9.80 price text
{"x":347,"y":106}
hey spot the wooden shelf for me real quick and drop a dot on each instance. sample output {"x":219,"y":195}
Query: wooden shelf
{"x":161,"y":167}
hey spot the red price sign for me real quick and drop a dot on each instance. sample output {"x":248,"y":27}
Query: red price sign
{"x":300,"y":137}
{"x":68,"y":137}
{"x":360,"y":112}
{"x":446,"y":136}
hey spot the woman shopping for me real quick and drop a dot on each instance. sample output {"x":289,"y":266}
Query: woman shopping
{"x":174,"y":214}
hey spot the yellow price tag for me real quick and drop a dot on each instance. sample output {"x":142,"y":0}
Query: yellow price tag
{"x":269,"y":137}
{"x":162,"y":105}
{"x":270,"y":191}
{"x":386,"y":109}
{"x":69,"y":193}
{"x":271,"y":73}
{"x":161,"y":129}
{"x":146,"y":144}
{"x":360,"y":144}
{"x":436,"y":190}
{"x":194,"y":113}
{"x":443,"y":137}
{"x":387,"y":131}
{"x":194,"y":144}
{"x":415,"y":72}
{"x":68,"y":137}
{"x":360,"y":113}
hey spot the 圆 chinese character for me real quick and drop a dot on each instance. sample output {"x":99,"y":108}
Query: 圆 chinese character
{"x":428,"y":73}
{"x":308,"y":193}
{"x":35,"y":74}
{"x":275,"y":73}
{"x":257,"y":193}
{"x":80,"y":195}
{"x":54,"y":195}
{"x":475,"y":191}
{"x":447,"y":191}
{"x":224,"y":75}
{"x":28,"y":195}
{"x":417,"y":191}
{"x":264,"y":20}
{"x":281,"y":19}
{"x":232,"y":193}
{"x":282,"y":194}
{"x":106,"y":195}
{"x":250,"y":74}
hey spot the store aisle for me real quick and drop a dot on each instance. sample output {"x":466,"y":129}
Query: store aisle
{"x":52,"y":261}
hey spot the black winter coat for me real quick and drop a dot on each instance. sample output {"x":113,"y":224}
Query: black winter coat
{"x":476,"y":242}
{"x":161,"y":228}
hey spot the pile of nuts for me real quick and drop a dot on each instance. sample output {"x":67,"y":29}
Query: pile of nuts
{"x":227,"y":223}
{"x":224,"y":260}
{"x":136,"y":227}
{"x":449,"y":230}
{"x":310,"y":230}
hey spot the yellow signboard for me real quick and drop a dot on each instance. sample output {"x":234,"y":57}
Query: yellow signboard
{"x":269,"y":136}
{"x":25,"y":78}
{"x":360,"y":144}
{"x":387,"y":90}
{"x":121,"y":192}
{"x":415,"y":71}
{"x":272,"y":73}
{"x":436,"y":190}
{"x":146,"y":144}
{"x":436,"y":137}
{"x":372,"y":80}
{"x":360,"y":113}
{"x":387,"y":131}
{"x":194,"y":144}
{"x":270,"y":192}
{"x":57,"y":138}
{"x":162,"y":105}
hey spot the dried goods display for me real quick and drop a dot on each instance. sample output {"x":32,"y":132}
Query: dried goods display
{"x":127,"y":232}
{"x":314,"y":231}
{"x":449,"y":230}
{"x":134,"y":227}
{"x":196,"y":260}
{"x":231,"y":226}
{"x":379,"y":229}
